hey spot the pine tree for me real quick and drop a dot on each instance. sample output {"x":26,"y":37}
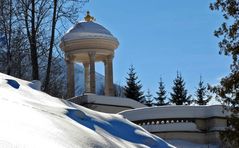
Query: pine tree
{"x":148,"y":98}
{"x":179,"y":94}
{"x":228,"y":89}
{"x":202,"y":97}
{"x":133,"y":88}
{"x":161,"y":94}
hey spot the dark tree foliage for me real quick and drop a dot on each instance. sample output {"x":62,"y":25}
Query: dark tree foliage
{"x":133,"y":88}
{"x":202,"y":96}
{"x":161,"y":95}
{"x":179,"y":95}
{"x":228,"y":89}
{"x":148,"y":99}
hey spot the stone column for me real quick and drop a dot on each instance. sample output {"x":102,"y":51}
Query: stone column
{"x":109,"y":87}
{"x":106,"y":78}
{"x":70,"y":79}
{"x":87,"y":80}
{"x":92,"y":71}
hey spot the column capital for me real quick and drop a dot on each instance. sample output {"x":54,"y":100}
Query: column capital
{"x":105,"y":62}
{"x":91,"y":54}
{"x":85,"y":63}
{"x":107,"y":59}
{"x":69,"y":58}
{"x":110,"y":57}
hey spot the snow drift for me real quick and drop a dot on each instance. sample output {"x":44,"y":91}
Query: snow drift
{"x":31,"y":118}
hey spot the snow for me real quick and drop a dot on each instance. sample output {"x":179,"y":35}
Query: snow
{"x":83,"y":30}
{"x":108,"y":100}
{"x":35,"y":84}
{"x":88,"y":27}
{"x":31,"y":118}
{"x":171,"y":111}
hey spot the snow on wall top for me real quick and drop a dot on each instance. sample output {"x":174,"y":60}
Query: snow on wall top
{"x":31,"y":118}
{"x":179,"y":111}
{"x":108,"y":100}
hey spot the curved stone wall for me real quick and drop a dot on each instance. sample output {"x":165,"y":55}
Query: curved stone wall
{"x":200,"y":124}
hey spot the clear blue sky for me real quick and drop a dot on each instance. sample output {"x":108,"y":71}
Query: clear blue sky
{"x":160,"y":37}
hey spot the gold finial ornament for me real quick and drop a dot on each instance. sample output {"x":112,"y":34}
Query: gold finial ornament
{"x":88,"y":17}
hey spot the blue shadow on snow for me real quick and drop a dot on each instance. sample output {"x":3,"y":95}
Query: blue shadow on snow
{"x":116,"y":128}
{"x":13,"y":83}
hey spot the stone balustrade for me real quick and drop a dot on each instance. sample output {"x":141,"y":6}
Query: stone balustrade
{"x":200,"y":124}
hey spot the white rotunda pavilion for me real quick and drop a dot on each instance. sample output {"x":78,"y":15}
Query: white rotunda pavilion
{"x":88,"y":42}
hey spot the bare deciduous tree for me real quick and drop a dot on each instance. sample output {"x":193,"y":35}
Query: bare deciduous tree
{"x":40,"y":23}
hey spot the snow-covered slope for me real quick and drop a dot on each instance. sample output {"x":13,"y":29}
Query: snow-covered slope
{"x":30,"y":118}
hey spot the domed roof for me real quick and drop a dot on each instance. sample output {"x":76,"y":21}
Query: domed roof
{"x":90,"y":27}
{"x":88,"y":36}
{"x":87,"y":30}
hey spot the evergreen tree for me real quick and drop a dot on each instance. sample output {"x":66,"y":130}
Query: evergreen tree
{"x":202,"y":97}
{"x":161,"y":94}
{"x":228,"y":90}
{"x":148,"y":98}
{"x":179,"y":94}
{"x":133,"y":88}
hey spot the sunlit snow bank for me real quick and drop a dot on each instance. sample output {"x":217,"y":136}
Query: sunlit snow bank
{"x":30,"y":118}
